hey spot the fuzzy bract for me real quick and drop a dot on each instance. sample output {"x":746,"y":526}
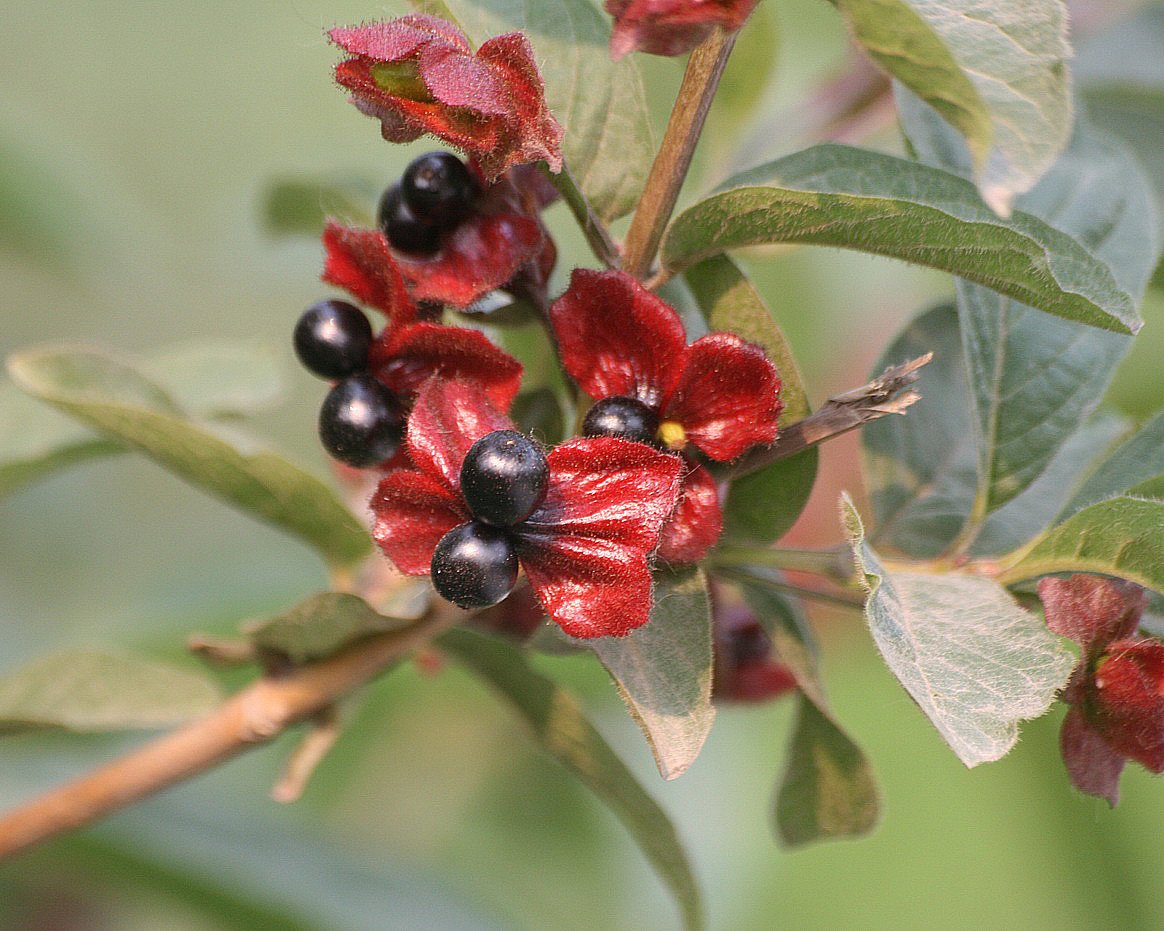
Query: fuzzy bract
{"x":671,"y":27}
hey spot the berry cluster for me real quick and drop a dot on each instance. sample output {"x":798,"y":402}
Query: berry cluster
{"x":436,"y":193}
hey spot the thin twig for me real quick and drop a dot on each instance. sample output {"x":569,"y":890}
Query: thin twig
{"x":603,"y":246}
{"x":700,"y":80}
{"x":252,"y":717}
{"x":889,"y":394}
{"x":839,"y":597}
{"x":306,"y":757}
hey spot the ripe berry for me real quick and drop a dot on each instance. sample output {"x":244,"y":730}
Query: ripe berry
{"x":504,"y":477}
{"x":361,"y":422}
{"x":332,"y":339}
{"x":748,"y":644}
{"x":474,"y":565}
{"x":627,"y":418}
{"x":404,"y":230}
{"x":439,"y":189}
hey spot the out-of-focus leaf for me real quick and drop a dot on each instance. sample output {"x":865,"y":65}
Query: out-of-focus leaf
{"x":319,"y":626}
{"x":996,"y":72}
{"x":602,"y":104}
{"x":1123,"y":536}
{"x":299,"y":206}
{"x":920,"y":469}
{"x":840,"y":196}
{"x":663,"y":670}
{"x":114,"y":398}
{"x":760,"y":507}
{"x":563,"y":731}
{"x":40,"y":216}
{"x":1133,"y":464}
{"x":973,"y":660}
{"x":91,"y":690}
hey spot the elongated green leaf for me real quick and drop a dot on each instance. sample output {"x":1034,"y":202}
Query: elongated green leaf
{"x":973,"y":660}
{"x":996,"y":72}
{"x":920,"y":469}
{"x":601,"y":104}
{"x":319,"y":626}
{"x":299,"y":206}
{"x":1122,"y":536}
{"x":828,"y":790}
{"x":839,"y":196}
{"x":90,"y":690}
{"x":760,"y":507}
{"x":1132,"y":465}
{"x":663,"y":670}
{"x":563,"y":731}
{"x":112,"y":397}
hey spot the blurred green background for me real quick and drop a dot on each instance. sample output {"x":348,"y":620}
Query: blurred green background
{"x":136,"y":144}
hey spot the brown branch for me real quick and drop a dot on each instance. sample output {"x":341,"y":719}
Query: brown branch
{"x":254,"y":716}
{"x":889,"y":394}
{"x":668,"y":171}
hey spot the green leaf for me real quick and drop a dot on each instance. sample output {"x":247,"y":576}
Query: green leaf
{"x":299,"y":206}
{"x":91,"y":690}
{"x":973,"y":660}
{"x":835,"y":195}
{"x":763,"y":506}
{"x":114,"y":398}
{"x":601,"y":104}
{"x":663,"y":670}
{"x":1122,"y":536}
{"x":828,"y":790}
{"x":1136,"y":464}
{"x":563,"y":731}
{"x":996,"y":72}
{"x":920,"y":469}
{"x":319,"y":626}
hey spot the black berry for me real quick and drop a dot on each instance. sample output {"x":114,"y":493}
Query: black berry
{"x":404,"y":230}
{"x":504,"y":477}
{"x":332,"y":339}
{"x":361,"y":422}
{"x":749,"y":643}
{"x":474,"y":565}
{"x":439,"y":189}
{"x":627,"y":418}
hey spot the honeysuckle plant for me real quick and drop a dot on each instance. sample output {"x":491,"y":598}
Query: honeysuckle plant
{"x":626,"y":496}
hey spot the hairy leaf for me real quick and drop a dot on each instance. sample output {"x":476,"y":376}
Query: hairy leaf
{"x":563,"y":731}
{"x":839,"y":196}
{"x":1133,"y":465}
{"x":763,"y":506}
{"x":114,"y":398}
{"x":319,"y":626}
{"x":663,"y":670}
{"x":973,"y":660}
{"x":1123,"y":536}
{"x":90,"y":690}
{"x":602,"y":104}
{"x":996,"y":72}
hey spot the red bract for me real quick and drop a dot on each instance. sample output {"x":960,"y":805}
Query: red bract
{"x":745,"y":668}
{"x":408,"y":352}
{"x":1116,"y":693}
{"x":585,"y":549}
{"x":670,"y":27}
{"x":698,"y":520}
{"x":418,"y":74}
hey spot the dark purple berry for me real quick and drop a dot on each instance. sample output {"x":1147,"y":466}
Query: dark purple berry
{"x":361,"y":422}
{"x":504,"y":477}
{"x":748,"y":644}
{"x":404,"y":230}
{"x":332,"y":339}
{"x":474,"y":565}
{"x":626,"y":418}
{"x":439,"y":189}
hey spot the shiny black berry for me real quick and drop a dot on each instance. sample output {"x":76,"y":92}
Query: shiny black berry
{"x":474,"y":565}
{"x":438,"y":188}
{"x":404,"y":230}
{"x":361,"y":422}
{"x":504,"y":477}
{"x":332,"y":339}
{"x":627,"y":418}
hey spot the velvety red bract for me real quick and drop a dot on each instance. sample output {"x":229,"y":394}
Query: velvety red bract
{"x":617,"y":338}
{"x":1116,"y":693}
{"x":418,"y":74}
{"x":698,"y":519}
{"x":586,"y":548}
{"x":407,"y":352}
{"x":670,"y":27}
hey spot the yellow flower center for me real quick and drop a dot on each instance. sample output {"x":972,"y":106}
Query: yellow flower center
{"x":672,"y":434}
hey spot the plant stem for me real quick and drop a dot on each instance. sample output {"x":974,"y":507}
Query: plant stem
{"x":834,"y":564}
{"x":604,"y":247}
{"x":254,"y":716}
{"x":700,"y":80}
{"x":842,"y":598}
